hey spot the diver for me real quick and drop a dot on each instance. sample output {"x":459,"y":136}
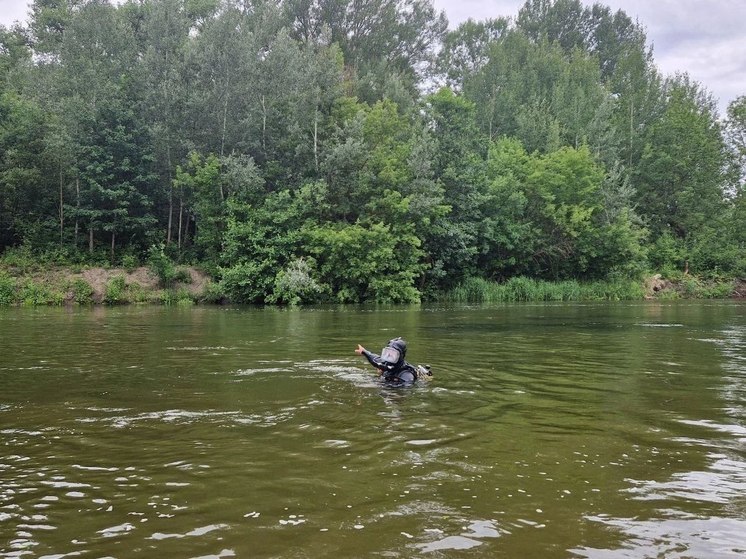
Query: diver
{"x":391,"y":364}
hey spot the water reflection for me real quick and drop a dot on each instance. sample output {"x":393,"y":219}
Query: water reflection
{"x":689,"y":522}
{"x":549,"y":431}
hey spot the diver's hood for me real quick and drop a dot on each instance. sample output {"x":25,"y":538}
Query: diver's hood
{"x":394,"y":352}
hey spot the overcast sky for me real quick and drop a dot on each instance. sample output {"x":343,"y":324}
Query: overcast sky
{"x":705,"y":38}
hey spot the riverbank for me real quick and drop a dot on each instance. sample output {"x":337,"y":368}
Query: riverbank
{"x":96,"y":286}
{"x":140,"y":285}
{"x":476,"y":290}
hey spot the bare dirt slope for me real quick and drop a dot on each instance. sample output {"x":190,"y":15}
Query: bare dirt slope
{"x":97,"y":278}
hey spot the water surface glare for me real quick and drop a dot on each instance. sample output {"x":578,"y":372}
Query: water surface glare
{"x":585,"y":431}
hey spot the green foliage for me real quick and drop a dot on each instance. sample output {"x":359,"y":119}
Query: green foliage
{"x":680,"y":177}
{"x":259,"y":242}
{"x":129,"y":262}
{"x":8,"y":288}
{"x":244,"y":283}
{"x":545,"y":217}
{"x":668,"y":255}
{"x":162,"y":267}
{"x":212,"y":293}
{"x":200,"y":180}
{"x":115,"y":292}
{"x":692,"y":287}
{"x":717,"y":251}
{"x":285,"y":147}
{"x":295,"y":285}
{"x":477,"y":290}
{"x":82,"y":292}
{"x":735,"y":133}
{"x":21,"y":259}
{"x":176,"y":297}
{"x":37,"y":293}
{"x":358,"y":263}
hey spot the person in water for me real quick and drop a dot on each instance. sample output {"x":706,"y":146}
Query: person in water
{"x":391,"y":364}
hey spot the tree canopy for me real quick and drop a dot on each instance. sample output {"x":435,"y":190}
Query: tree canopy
{"x":330,"y":150}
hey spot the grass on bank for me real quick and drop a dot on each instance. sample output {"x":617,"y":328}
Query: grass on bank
{"x":28,"y":292}
{"x":521,"y":289}
{"x":25,"y":281}
{"x":25,"y":291}
{"x":28,"y":278}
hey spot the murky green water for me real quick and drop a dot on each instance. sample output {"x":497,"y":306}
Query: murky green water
{"x":601,"y":431}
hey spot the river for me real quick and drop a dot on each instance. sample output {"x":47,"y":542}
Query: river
{"x":599,"y":431}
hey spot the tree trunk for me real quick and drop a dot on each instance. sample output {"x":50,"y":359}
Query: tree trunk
{"x":170,"y":196}
{"x":77,"y":207}
{"x":631,"y":127}
{"x":185,"y":237}
{"x":90,"y":239}
{"x":264,"y":127}
{"x":181,"y":214}
{"x":316,"y":139}
{"x":225,"y":115}
{"x":62,"y":207}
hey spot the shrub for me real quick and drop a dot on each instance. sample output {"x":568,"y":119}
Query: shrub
{"x":129,"y":262}
{"x":695,"y":288}
{"x":115,"y":292}
{"x":246,"y":282}
{"x":136,"y":293}
{"x":163,"y":267}
{"x":212,"y":293}
{"x":82,"y":291}
{"x":20,"y":258}
{"x":180,"y":297}
{"x":294,"y":285}
{"x":35,"y":294}
{"x":8,"y":288}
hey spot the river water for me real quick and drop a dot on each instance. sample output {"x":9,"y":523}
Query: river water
{"x":548,"y":431}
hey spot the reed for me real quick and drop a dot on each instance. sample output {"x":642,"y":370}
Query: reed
{"x":478,"y":290}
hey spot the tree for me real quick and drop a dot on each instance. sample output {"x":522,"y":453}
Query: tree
{"x":164,"y":34}
{"x":260,"y":242}
{"x":115,"y":175}
{"x":100,"y":104}
{"x":202,"y":199}
{"x":458,"y":166}
{"x":27,"y":200}
{"x":610,"y":38}
{"x":15,"y":57}
{"x":735,"y":133}
{"x":366,"y":263}
{"x":508,"y":237}
{"x":49,"y":22}
{"x":466,"y":49}
{"x":681,"y":177}
{"x":377,"y":37}
{"x":545,"y":217}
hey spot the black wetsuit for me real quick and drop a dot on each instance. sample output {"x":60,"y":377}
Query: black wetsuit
{"x":398,"y":375}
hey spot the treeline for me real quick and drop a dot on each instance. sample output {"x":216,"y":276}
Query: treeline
{"x":314,"y":150}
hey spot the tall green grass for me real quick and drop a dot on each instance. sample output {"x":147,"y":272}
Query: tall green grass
{"x":8,"y":287}
{"x":478,"y":290}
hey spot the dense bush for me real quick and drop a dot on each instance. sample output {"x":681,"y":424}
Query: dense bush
{"x":115,"y":292}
